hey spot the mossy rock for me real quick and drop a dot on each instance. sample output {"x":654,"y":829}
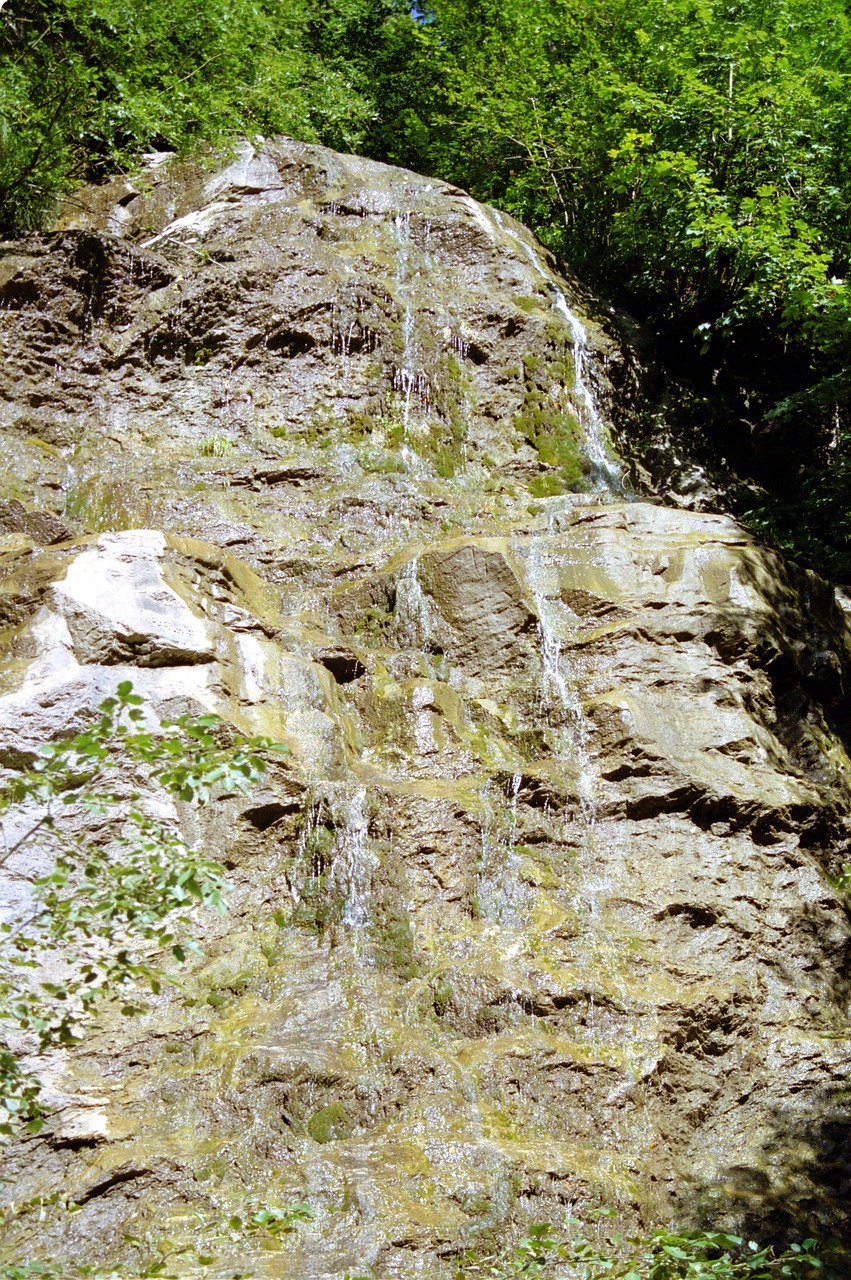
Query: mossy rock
{"x":547,"y":485}
{"x":442,"y":994}
{"x":329,"y":1123}
{"x":393,"y":941}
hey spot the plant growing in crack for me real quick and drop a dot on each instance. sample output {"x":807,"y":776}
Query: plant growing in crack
{"x":198,"y":1245}
{"x":663,"y":1255}
{"x":107,"y":882}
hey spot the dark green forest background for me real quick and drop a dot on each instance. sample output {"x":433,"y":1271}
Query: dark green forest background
{"x":688,"y":158}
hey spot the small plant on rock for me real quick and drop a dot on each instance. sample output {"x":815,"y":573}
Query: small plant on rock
{"x":217,"y":447}
{"x":664,"y":1255}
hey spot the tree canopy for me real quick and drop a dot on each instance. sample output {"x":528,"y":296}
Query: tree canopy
{"x":87,"y":85}
{"x":691,"y":159}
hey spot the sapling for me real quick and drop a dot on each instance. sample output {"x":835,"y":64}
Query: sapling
{"x":115,"y":884}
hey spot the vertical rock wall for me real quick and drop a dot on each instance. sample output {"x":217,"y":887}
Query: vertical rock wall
{"x":538,"y":915}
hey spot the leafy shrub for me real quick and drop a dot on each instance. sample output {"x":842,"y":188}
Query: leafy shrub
{"x":120,"y":884}
{"x":664,"y":1255}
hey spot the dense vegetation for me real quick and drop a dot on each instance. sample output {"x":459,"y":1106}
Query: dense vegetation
{"x":689,"y":157}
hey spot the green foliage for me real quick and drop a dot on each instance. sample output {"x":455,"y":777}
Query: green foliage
{"x":664,"y":1255}
{"x":266,"y":1227}
{"x":264,"y":1224}
{"x":119,"y":885}
{"x":693,"y":159}
{"x":217,"y":447}
{"x":373,"y":624}
{"x":86,"y":85}
{"x":691,"y":149}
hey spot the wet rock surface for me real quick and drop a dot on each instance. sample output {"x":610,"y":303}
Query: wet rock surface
{"x":538,"y":912}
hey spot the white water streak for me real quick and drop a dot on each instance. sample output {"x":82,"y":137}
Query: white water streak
{"x":607,"y":474}
{"x":357,"y":862}
{"x":559,"y":691}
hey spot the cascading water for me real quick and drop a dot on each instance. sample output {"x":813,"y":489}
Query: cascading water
{"x":409,"y":383}
{"x":355,"y":863}
{"x":334,"y":857}
{"x":572,"y":741}
{"x":605,"y":470}
{"x":406,"y":380}
{"x":558,"y":692}
{"x":501,"y":895}
{"x":412,"y":615}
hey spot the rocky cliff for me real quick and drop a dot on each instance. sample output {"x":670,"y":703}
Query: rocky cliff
{"x":538,"y":914}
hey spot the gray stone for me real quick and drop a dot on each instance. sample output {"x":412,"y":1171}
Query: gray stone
{"x":539,"y":914}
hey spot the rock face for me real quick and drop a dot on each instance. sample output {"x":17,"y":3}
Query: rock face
{"x":537,"y":915}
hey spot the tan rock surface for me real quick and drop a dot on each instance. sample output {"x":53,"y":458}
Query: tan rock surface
{"x":538,"y":912}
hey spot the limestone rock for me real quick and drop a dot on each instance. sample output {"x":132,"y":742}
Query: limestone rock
{"x":118,"y":607}
{"x":539,"y":914}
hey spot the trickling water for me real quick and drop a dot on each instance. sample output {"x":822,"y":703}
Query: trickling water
{"x":460,"y":345}
{"x":355,"y":863}
{"x":411,"y":386}
{"x":516,"y":780}
{"x":412,"y":613}
{"x":558,"y":691}
{"x":310,"y":852}
{"x":560,"y":694}
{"x":334,"y":852}
{"x":501,"y":895}
{"x":606,"y":472}
{"x":405,"y":379}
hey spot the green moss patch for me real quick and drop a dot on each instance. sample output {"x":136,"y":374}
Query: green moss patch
{"x":329,"y":1123}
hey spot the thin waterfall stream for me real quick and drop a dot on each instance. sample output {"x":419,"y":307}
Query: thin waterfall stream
{"x":356,"y":860}
{"x":537,"y":883}
{"x":606,"y":471}
{"x":560,"y":694}
{"x":559,"y":690}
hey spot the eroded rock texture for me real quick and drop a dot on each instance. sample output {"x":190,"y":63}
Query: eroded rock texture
{"x":539,"y":911}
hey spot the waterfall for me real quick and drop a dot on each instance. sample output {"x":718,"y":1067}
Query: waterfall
{"x":406,"y":380}
{"x":560,"y":695}
{"x":356,"y":862}
{"x":335,"y":860}
{"x":412,"y":613}
{"x":607,"y":473}
{"x":558,"y":690}
{"x":605,"y":469}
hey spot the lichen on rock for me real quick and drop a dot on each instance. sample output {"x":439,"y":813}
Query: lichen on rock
{"x":540,"y":910}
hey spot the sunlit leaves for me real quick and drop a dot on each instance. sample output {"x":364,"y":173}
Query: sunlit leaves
{"x":120,"y":884}
{"x":686,"y":153}
{"x":200,"y":1243}
{"x":664,"y":1255}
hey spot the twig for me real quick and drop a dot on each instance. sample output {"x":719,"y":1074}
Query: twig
{"x":4,"y":857}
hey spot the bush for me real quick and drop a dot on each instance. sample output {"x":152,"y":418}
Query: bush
{"x":120,"y":885}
